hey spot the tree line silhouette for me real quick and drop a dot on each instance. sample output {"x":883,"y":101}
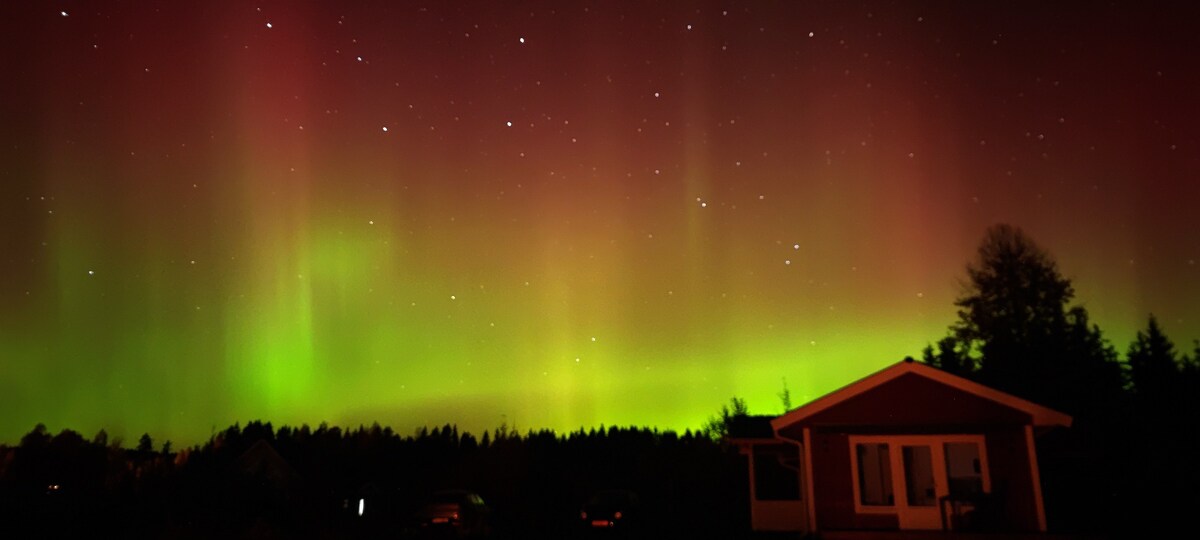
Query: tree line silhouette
{"x":1129,"y":462}
{"x":534,"y":482}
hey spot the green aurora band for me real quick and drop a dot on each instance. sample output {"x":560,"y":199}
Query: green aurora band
{"x":205,"y":222}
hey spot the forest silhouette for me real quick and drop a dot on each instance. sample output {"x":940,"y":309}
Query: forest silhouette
{"x":1128,"y":463}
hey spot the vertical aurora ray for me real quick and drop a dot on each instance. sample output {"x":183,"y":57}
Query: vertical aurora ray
{"x":331,"y":218}
{"x":267,"y":311}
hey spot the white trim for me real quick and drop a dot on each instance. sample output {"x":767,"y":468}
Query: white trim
{"x":810,"y":503}
{"x":936,"y":443}
{"x":1041,"y":416}
{"x":1036,"y":478}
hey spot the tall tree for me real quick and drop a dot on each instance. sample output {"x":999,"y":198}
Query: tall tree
{"x":1015,"y":301}
{"x":145,"y":444}
{"x":1016,"y":332}
{"x":1153,"y":363}
{"x":717,"y":427}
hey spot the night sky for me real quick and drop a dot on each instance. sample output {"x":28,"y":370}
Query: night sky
{"x":558,"y":214}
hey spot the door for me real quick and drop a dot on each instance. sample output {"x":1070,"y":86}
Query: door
{"x":921,"y":488}
{"x":908,"y":475}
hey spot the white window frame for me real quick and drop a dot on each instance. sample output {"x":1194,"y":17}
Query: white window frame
{"x":896,"y":464}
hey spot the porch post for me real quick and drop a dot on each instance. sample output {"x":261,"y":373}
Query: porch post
{"x":808,"y":481}
{"x":753,"y":501}
{"x":1036,"y":477}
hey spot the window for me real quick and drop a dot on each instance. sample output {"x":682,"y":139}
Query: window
{"x":964,"y":473}
{"x":874,"y":474}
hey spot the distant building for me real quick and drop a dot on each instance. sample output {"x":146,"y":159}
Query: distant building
{"x":262,"y":463}
{"x":909,"y":447}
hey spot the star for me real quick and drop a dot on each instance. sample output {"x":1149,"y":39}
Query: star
{"x":269,"y":25}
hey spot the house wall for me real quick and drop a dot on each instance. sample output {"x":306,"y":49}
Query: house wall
{"x":1008,"y":468}
{"x":834,"y":492}
{"x":1012,"y":481}
{"x":912,"y":404}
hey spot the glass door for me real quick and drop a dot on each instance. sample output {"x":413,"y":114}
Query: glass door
{"x":912,"y":476}
{"x":922,"y":487}
{"x":965,"y":483}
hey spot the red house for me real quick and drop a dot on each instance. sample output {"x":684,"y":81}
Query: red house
{"x":910,"y":447}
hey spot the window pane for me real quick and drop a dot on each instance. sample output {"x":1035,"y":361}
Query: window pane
{"x":963,"y":470}
{"x":918,"y":476}
{"x":874,"y":475}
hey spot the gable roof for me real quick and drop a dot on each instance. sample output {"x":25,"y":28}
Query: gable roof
{"x":262,"y":459}
{"x":1041,"y":416}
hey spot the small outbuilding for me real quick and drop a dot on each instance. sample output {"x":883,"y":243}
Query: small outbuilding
{"x":910,"y":447}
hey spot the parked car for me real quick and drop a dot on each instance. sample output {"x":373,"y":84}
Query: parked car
{"x":454,"y":512}
{"x":612,"y":510}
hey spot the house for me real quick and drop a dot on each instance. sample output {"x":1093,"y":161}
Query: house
{"x":910,"y":447}
{"x":262,"y":464}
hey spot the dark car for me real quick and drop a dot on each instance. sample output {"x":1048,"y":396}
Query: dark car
{"x":456,"y":513}
{"x":612,"y":510}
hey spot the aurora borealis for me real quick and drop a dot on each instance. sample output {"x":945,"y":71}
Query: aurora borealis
{"x":558,"y":214}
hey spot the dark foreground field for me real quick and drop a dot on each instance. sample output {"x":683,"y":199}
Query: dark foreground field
{"x":259,"y":482}
{"x":59,"y":516}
